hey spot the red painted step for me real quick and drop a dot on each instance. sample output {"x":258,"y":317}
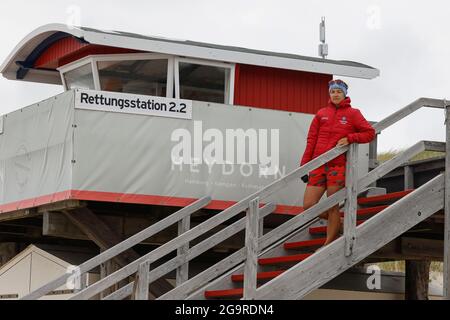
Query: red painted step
{"x":225,"y":293}
{"x":305,"y":244}
{"x":260,"y":275}
{"x":284,"y":259}
{"x":367,"y":211}
{"x":320,"y":230}
{"x":385,"y":197}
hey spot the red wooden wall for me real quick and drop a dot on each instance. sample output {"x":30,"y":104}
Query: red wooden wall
{"x":280,"y":89}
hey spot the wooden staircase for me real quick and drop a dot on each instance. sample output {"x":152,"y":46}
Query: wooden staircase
{"x":282,"y":263}
{"x":297,"y":251}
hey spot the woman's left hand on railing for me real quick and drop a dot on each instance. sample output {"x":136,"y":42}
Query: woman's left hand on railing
{"x":342,"y":142}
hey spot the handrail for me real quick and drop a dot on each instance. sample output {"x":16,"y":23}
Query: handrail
{"x":228,"y":213}
{"x":194,"y":252}
{"x":213,"y":222}
{"x":120,"y":247}
{"x":410,"y":108}
{"x":299,"y":220}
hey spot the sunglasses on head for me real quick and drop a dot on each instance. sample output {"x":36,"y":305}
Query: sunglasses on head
{"x":337,"y":82}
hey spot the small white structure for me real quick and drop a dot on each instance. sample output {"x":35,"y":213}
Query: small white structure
{"x":34,"y":267}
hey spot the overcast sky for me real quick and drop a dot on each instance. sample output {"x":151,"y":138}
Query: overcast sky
{"x":408,"y":41}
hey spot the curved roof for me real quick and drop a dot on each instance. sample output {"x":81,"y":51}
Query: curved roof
{"x":17,"y":64}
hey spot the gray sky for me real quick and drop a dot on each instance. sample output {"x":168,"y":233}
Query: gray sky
{"x":407,"y":40}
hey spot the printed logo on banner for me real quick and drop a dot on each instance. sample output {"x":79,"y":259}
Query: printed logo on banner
{"x":134,"y":104}
{"x":240,"y":147}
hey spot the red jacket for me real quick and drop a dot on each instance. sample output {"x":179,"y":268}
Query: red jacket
{"x":333,"y":123}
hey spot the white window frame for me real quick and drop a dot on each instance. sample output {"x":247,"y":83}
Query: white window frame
{"x":93,"y":59}
{"x":75,"y":65}
{"x":229,"y":94}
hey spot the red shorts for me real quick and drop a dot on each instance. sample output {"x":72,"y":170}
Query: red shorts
{"x":326,"y":175}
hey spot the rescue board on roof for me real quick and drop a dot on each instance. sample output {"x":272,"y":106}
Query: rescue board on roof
{"x":134,"y":104}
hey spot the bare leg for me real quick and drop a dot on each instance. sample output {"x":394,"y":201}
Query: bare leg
{"x":312,"y":196}
{"x":334,"y":218}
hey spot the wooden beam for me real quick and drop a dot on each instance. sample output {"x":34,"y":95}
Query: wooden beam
{"x":182,"y":272}
{"x":121,"y":247}
{"x":194,"y":252}
{"x":329,"y":262}
{"x":447,"y":207}
{"x":37,"y":211}
{"x":351,"y":182}
{"x":105,"y":238}
{"x":417,"y":277}
{"x":409,"y":177}
{"x":141,"y":282}
{"x":251,"y":246}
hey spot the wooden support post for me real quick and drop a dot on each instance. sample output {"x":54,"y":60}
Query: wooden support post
{"x":141,"y":282}
{"x":261,"y":227}
{"x":417,"y":271}
{"x":409,"y":177}
{"x":447,"y":206}
{"x":182,"y":273}
{"x":351,"y":182}
{"x":417,"y":279}
{"x":251,"y":245}
{"x":105,"y":238}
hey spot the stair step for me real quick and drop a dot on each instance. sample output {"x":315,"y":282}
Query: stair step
{"x":367,"y":211}
{"x":229,"y":293}
{"x":305,"y":244}
{"x":389,"y":197}
{"x":320,"y":230}
{"x":284,"y":259}
{"x":260,"y":275}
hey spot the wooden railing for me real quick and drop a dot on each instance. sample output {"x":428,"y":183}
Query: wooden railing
{"x":256,"y":242}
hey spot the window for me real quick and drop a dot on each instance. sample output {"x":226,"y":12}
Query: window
{"x":80,"y":77}
{"x":146,"y":77}
{"x":211,"y":82}
{"x":153,"y":75}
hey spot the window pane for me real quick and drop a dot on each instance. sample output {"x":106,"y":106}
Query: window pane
{"x":147,"y":77}
{"x":203,"y":83}
{"x":80,"y":78}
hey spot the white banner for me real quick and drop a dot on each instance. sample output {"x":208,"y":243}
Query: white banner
{"x":132,"y":103}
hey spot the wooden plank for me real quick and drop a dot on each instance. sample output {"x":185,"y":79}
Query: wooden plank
{"x":417,"y":247}
{"x":207,"y":225}
{"x":391,"y":164}
{"x":99,"y":232}
{"x":197,"y":250}
{"x":182,"y":272}
{"x":37,"y":211}
{"x":329,"y":262}
{"x":398,"y":115}
{"x":141,"y":283}
{"x":351,"y":182}
{"x":292,"y":225}
{"x":373,"y":153}
{"x":409,"y":177}
{"x":251,"y":246}
{"x":446,"y":274}
{"x":121,"y":247}
{"x":20,"y":214}
{"x":407,"y":110}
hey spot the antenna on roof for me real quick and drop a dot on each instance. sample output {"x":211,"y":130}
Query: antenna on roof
{"x":323,"y":47}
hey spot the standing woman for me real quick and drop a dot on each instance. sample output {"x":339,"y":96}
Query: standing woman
{"x":337,"y":124}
